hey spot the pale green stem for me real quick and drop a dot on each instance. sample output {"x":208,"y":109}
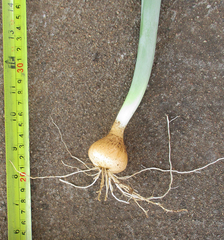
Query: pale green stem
{"x":146,"y":50}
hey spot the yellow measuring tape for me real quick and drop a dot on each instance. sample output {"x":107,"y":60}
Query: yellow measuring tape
{"x":16,"y":119}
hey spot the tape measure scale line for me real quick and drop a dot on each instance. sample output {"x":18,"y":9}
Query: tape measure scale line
{"x":16,"y":119}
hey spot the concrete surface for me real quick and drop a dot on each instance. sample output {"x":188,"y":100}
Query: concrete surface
{"x":81,"y":61}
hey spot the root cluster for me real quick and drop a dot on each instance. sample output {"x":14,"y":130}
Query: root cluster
{"x":109,"y":180}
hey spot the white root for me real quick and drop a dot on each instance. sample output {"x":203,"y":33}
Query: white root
{"x":112,"y":193}
{"x":60,"y":176}
{"x":76,"y":186}
{"x":173,"y":171}
{"x":66,"y":145}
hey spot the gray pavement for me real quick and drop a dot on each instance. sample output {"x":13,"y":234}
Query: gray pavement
{"x":81,"y":61}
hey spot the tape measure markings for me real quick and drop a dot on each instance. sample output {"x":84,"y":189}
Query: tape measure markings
{"x":16,"y":119}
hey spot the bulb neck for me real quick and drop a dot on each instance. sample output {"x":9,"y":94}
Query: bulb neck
{"x":117,"y":129}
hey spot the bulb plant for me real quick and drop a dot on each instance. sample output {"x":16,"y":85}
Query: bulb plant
{"x":108,"y":155}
